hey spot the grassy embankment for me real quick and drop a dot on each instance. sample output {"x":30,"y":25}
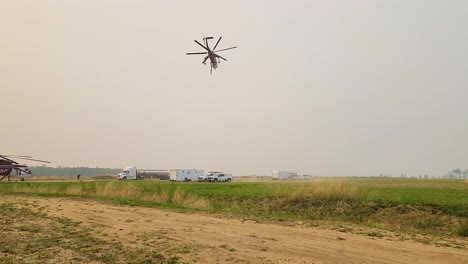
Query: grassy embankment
{"x":437,"y":207}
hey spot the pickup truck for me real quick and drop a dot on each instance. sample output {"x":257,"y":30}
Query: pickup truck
{"x":220,"y":177}
{"x":204,"y":177}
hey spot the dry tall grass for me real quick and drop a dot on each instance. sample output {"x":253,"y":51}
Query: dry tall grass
{"x":161,"y":195}
{"x":319,"y":190}
{"x":125,"y":190}
{"x":118,"y":189}
{"x":189,"y":200}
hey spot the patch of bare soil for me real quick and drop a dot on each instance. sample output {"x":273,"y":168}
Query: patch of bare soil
{"x":205,"y":238}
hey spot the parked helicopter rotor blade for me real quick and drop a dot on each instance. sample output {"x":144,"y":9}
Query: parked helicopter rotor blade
{"x":226,"y":49}
{"x":16,"y":156}
{"x":201,"y":45}
{"x":7,"y":159}
{"x":35,"y":160}
{"x":220,"y":57}
{"x":13,"y":166}
{"x":217,"y":43}
{"x":196,"y":53}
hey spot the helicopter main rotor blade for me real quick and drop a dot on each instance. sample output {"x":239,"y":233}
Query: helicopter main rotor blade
{"x":217,"y":43}
{"x":35,"y":160}
{"x":196,"y":53}
{"x":13,"y":166}
{"x":220,"y":57}
{"x":226,"y":49}
{"x":16,"y":156}
{"x":7,"y":159}
{"x":202,"y":45}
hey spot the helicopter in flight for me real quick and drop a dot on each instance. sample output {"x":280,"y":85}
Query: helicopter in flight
{"x":7,"y":166}
{"x":211,"y":53}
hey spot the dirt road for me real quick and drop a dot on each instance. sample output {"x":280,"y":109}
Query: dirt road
{"x":211,"y":239}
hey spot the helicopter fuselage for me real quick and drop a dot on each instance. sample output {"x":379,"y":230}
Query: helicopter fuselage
{"x":212,"y":57}
{"x":7,"y":168}
{"x":5,"y":171}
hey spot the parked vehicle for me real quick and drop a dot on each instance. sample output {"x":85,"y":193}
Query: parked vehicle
{"x":282,"y":175}
{"x":184,"y":175}
{"x":204,"y":177}
{"x":132,"y":173}
{"x":220,"y":177}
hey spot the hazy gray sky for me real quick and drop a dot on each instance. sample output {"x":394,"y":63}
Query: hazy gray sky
{"x":322,"y":87}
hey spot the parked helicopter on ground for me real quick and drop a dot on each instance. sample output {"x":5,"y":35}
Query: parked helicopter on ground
{"x":211,"y":53}
{"x":9,"y":166}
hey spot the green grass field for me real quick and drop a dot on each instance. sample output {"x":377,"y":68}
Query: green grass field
{"x":437,"y":207}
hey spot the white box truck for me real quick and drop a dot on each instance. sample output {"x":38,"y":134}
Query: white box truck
{"x":132,"y":173}
{"x":185,"y":174}
{"x":280,"y":175}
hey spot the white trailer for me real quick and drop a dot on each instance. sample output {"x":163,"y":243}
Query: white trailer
{"x":185,"y":174}
{"x":281,"y":175}
{"x":132,"y":173}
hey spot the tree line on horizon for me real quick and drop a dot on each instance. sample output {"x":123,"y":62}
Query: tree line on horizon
{"x":71,"y":171}
{"x":457,"y":174}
